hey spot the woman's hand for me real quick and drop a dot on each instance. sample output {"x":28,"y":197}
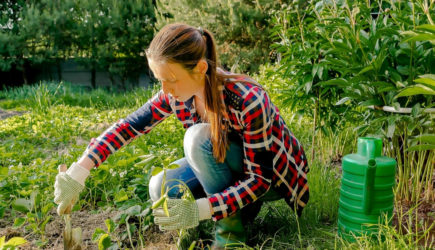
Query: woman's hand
{"x":68,"y":186}
{"x":183,"y":214}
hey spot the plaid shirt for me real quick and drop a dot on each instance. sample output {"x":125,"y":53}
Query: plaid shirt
{"x":273,"y":157}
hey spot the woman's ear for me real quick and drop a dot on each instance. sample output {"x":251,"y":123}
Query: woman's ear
{"x":201,"y":66}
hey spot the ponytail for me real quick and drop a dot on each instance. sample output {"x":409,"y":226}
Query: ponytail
{"x":214,"y":104}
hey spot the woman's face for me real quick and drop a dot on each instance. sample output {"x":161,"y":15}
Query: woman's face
{"x":177,"y":81}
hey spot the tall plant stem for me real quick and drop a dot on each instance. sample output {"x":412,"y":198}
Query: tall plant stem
{"x":301,"y":29}
{"x":316,"y":107}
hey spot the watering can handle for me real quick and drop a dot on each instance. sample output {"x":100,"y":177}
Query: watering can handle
{"x":369,"y":186}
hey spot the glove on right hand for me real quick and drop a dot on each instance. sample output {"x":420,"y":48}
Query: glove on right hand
{"x":66,"y":192}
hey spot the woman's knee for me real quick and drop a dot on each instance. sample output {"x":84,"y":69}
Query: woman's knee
{"x":197,"y":140}
{"x":155,"y":186}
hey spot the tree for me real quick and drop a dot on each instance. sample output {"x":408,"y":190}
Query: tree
{"x":241,"y":28}
{"x":101,"y":34}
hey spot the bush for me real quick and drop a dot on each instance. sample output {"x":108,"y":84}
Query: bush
{"x":101,"y":34}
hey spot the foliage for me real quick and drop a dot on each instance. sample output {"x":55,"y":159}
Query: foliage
{"x":11,"y":243}
{"x":345,"y":56}
{"x":35,"y":143}
{"x":57,"y":132}
{"x":241,"y":27}
{"x":103,"y":35}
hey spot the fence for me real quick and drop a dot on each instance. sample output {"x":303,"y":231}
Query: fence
{"x":69,"y":71}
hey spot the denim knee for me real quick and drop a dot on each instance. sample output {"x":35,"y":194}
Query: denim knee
{"x":197,"y":140}
{"x":155,"y":186}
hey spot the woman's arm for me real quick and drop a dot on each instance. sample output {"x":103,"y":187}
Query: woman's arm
{"x":125,"y":130}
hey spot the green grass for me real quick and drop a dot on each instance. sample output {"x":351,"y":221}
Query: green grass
{"x":58,"y":122}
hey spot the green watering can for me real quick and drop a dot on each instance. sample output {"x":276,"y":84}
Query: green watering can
{"x":366,"y":195}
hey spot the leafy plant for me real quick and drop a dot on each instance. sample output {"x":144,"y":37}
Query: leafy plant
{"x":12,"y":243}
{"x":349,"y":60}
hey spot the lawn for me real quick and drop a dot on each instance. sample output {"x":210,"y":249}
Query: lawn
{"x":49,"y":124}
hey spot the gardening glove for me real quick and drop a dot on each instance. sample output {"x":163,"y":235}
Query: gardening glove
{"x":183,"y":214}
{"x":69,"y":183}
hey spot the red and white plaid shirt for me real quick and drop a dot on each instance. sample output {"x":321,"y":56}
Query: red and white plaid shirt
{"x":273,"y":157}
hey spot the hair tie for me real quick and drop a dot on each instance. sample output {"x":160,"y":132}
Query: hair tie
{"x":201,"y":31}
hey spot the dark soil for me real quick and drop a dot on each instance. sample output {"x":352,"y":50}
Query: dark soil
{"x":88,"y":222}
{"x":425,"y":214}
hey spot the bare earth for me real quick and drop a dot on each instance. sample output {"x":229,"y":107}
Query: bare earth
{"x":87,"y":221}
{"x":7,"y":113}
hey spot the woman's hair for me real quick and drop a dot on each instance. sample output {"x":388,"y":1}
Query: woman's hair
{"x":186,"y":45}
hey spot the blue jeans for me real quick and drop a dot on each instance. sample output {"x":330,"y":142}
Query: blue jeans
{"x":199,"y":169}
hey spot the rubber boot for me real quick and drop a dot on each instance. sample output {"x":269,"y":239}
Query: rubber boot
{"x":229,"y":232}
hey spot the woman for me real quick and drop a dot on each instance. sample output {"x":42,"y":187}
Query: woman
{"x":238,"y":150}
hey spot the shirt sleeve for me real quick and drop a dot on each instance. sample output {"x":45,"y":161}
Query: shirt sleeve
{"x":257,"y":119}
{"x":125,"y":130}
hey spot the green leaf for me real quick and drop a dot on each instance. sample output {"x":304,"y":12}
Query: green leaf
{"x":315,"y":70}
{"x":192,"y":245}
{"x":370,"y":102}
{"x":337,"y":82}
{"x":159,"y":202}
{"x":366,"y":69}
{"x":133,"y":211}
{"x":110,"y":225}
{"x":421,"y":37}
{"x":403,"y":70}
{"x":42,"y":226}
{"x":165,"y":207}
{"x":121,"y":196}
{"x":16,"y":241}
{"x":47,"y":208}
{"x":308,"y":84}
{"x":4,"y":171}
{"x":148,"y":159}
{"x":18,"y":222}
{"x":104,"y":242}
{"x":426,"y":138}
{"x":35,"y":198}
{"x":430,"y":76}
{"x":22,"y":205}
{"x":426,"y":27}
{"x":172,"y":166}
{"x":391,"y":126}
{"x":156,"y":170}
{"x":426,"y":81}
{"x":416,"y":90}
{"x":343,"y":100}
{"x":416,"y":109}
{"x":421,"y":147}
{"x":97,"y":233}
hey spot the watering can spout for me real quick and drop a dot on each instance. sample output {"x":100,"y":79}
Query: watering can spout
{"x":369,"y":186}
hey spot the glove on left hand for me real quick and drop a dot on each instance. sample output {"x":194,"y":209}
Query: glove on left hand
{"x":183,"y":214}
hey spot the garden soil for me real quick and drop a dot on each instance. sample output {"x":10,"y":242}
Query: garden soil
{"x":154,"y":238}
{"x":7,"y":113}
